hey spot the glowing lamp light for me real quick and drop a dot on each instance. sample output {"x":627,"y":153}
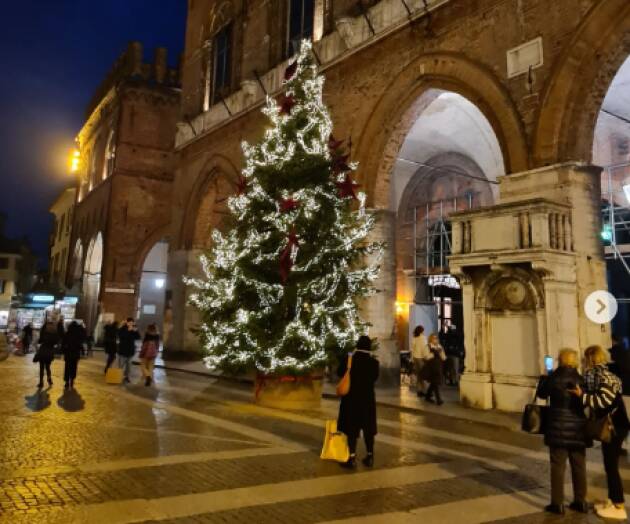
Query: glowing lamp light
{"x":159,"y":283}
{"x":606,"y":233}
{"x":626,"y":190}
{"x":399,"y":308}
{"x":74,"y":161}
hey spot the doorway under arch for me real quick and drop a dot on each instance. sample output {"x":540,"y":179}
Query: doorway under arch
{"x":92,"y":282}
{"x":448,"y":161}
{"x":152,"y":287}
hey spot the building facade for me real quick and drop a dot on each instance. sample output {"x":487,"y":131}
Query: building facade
{"x":123,"y":205}
{"x":62,"y":209}
{"x":452,"y":106}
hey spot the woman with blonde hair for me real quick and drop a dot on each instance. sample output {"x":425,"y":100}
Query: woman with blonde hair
{"x":432,"y":370}
{"x":602,"y":393}
{"x":565,"y":432}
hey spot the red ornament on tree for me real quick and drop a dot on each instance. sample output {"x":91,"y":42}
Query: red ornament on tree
{"x":347,"y":187}
{"x":340,"y":164}
{"x":286,"y":104}
{"x":286,"y":262}
{"x":290,"y":71}
{"x":288,"y":204}
{"x":241,"y":185}
{"x":334,"y":144}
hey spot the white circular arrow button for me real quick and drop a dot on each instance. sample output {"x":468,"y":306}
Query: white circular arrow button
{"x":600,"y":307}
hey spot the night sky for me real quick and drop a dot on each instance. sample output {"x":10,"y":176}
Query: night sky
{"x":53,"y":55}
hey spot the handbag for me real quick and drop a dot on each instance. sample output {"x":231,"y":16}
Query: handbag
{"x":114,"y":376}
{"x":36,"y":358}
{"x":600,"y":428}
{"x":343,"y":387}
{"x":335,"y":444}
{"x":149,"y":349}
{"x":535,"y":416}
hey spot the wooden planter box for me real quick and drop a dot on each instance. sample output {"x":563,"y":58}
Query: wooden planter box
{"x":288,"y":392}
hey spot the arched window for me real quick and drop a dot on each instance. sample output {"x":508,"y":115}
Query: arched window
{"x":300,"y":26}
{"x":110,"y":155}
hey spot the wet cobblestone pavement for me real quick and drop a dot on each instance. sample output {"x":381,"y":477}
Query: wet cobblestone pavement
{"x":196,"y":450}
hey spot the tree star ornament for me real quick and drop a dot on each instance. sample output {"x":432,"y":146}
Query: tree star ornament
{"x":288,"y":204}
{"x":272,"y":301}
{"x":347,"y":187}
{"x":286,"y":104}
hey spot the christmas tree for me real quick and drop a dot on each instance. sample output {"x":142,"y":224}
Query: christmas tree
{"x":281,"y":287}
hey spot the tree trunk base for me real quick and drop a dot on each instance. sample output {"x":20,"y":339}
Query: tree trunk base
{"x":288,"y":392}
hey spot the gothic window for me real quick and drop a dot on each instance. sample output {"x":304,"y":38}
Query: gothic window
{"x":301,"y":15}
{"x":110,"y":155}
{"x":222,"y":70}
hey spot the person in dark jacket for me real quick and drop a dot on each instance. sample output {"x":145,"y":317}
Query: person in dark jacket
{"x":620,"y":364}
{"x":432,"y":372}
{"x":48,"y":339}
{"x":73,"y":342}
{"x":565,"y":433}
{"x":127,"y":336}
{"x":357,"y":411}
{"x":110,"y":341}
{"x":27,"y":337}
{"x":602,"y":394}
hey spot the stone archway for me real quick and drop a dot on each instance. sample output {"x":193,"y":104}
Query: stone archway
{"x":402,"y":103}
{"x":575,"y":92}
{"x":92,"y":281}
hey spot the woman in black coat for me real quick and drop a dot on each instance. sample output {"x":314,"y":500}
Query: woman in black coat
{"x":565,"y":432}
{"x":357,"y":411}
{"x":48,"y":339}
{"x":72,"y":348}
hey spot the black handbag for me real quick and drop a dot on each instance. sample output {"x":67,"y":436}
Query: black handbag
{"x":534,"y":419}
{"x":535,"y":416}
{"x":36,"y":357}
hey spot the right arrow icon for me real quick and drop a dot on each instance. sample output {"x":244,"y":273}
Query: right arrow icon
{"x":600,"y":307}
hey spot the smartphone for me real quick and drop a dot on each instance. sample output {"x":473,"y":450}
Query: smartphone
{"x":548,"y":364}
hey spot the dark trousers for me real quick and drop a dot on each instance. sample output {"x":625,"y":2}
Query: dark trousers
{"x":434,"y":388}
{"x":369,"y":443}
{"x":577,"y":460}
{"x":70,"y":370}
{"x":110,"y":360}
{"x":44,"y":366}
{"x":611,"y":452}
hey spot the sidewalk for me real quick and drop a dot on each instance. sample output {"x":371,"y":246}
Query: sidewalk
{"x":404,"y":399}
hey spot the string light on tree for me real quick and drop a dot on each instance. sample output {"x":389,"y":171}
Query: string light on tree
{"x":280,"y":289}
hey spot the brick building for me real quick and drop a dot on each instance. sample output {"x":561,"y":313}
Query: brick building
{"x":61,"y":209}
{"x":122,"y":215}
{"x":442,"y":98}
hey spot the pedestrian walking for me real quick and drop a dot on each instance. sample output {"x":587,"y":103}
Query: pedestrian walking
{"x":127,"y":336}
{"x":357,"y":411}
{"x":432,"y":371}
{"x":149,"y":352}
{"x":72,"y":345}
{"x":602,"y":394}
{"x":48,"y":339}
{"x":453,"y":351}
{"x":419,"y":353}
{"x":27,"y":338}
{"x":565,"y":432}
{"x":110,"y":342}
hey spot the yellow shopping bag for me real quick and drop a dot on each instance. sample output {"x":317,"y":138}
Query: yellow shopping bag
{"x":114,"y":376}
{"x":335,"y":444}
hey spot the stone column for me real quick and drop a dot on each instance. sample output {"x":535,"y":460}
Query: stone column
{"x":380,"y":309}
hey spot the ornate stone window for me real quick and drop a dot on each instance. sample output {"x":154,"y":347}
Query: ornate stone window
{"x":222,"y":70}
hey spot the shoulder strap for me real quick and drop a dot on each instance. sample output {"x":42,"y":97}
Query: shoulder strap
{"x":349,"y":362}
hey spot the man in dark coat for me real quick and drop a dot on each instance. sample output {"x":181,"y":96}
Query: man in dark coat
{"x":27,"y":337}
{"x":127,"y":336}
{"x":110,"y":341}
{"x":357,"y":411}
{"x":73,"y":342}
{"x":565,"y":432}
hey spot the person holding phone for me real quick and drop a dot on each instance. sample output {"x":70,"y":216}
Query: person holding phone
{"x":565,"y":433}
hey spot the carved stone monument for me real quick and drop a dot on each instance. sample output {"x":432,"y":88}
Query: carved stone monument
{"x":526,"y":266}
